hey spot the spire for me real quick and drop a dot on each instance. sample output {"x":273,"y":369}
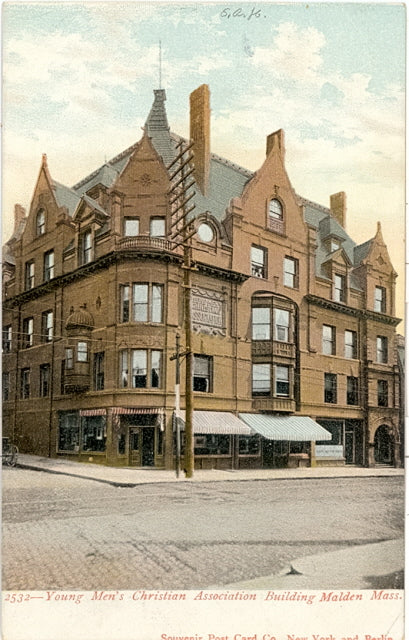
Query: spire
{"x":157,"y":127}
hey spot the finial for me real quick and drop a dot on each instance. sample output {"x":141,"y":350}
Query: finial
{"x":160,"y":64}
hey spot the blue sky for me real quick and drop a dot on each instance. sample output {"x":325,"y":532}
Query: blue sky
{"x":78,"y":82}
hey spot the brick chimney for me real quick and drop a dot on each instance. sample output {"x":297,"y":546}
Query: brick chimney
{"x":200,"y":134}
{"x":276,"y":138}
{"x":19,"y":215}
{"x":338,"y":206}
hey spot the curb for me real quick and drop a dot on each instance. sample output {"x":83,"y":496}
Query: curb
{"x":118,"y":483}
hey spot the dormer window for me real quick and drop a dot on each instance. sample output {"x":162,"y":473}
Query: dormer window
{"x":339,"y":288}
{"x":85,"y":247}
{"x":205,"y":232}
{"x":275,"y":209}
{"x":334,"y":245}
{"x":380,"y":299}
{"x":40,"y":222}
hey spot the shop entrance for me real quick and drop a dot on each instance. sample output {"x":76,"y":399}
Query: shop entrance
{"x":383,"y":446}
{"x":142,"y":429}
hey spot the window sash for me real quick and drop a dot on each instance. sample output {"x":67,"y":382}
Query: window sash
{"x":28,"y":335}
{"x":140,"y":302}
{"x":202,"y":373}
{"x":352,"y":390}
{"x":82,"y":352}
{"x":350,"y":344}
{"x":7,"y":335}
{"x":275,"y":209}
{"x":258,"y":262}
{"x":382,"y":350}
{"x":383,"y":393}
{"x":99,"y":361}
{"x":339,"y":288}
{"x":125,"y":290}
{"x":281,"y":325}
{"x":6,"y":385}
{"x":261,"y":323}
{"x":380,"y":299}
{"x":29,"y":275}
{"x":290,"y":272}
{"x":282,"y":381}
{"x":139,"y":368}
{"x":131,"y":227}
{"x":261,"y":379}
{"x":44,"y":380}
{"x":25,"y":384}
{"x":47,"y":326}
{"x":330,"y":388}
{"x":40,"y":223}
{"x":328,"y":340}
{"x":157,"y":227}
{"x":48,"y":265}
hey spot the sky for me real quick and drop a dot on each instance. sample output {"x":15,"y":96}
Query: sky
{"x":78,"y":81}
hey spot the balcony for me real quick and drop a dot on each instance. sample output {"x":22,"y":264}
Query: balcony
{"x":147,"y":242}
{"x":283,"y":405}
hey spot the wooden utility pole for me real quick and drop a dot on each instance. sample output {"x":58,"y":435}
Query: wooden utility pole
{"x":183,"y":231}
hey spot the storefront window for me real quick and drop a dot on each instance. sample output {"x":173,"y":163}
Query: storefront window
{"x":69,"y":432}
{"x":93,"y":433}
{"x":212,"y":445}
{"x":249,"y":445}
{"x":121,"y":443}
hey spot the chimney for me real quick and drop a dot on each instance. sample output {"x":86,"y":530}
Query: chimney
{"x":19,"y":215}
{"x":200,"y":134}
{"x":276,"y":138}
{"x":338,"y":206}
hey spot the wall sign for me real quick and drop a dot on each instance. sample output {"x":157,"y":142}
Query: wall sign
{"x":208,"y":312}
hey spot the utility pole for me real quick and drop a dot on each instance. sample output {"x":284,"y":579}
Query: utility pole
{"x":176,"y":423}
{"x":183,"y":231}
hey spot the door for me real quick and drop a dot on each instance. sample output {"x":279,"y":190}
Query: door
{"x":134,"y":447}
{"x":350,"y":447}
{"x":148,"y":444}
{"x":383,"y":446}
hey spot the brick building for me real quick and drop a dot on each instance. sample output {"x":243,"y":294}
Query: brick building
{"x":295,"y":358}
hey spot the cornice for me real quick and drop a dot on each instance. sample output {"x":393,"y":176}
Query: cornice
{"x":351,"y":311}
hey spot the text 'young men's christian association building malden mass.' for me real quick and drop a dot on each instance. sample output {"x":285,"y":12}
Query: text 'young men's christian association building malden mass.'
{"x":293,"y":323}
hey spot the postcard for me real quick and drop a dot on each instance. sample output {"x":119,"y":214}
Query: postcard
{"x":203,"y":320}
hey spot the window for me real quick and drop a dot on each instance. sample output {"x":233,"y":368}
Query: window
{"x":28,"y":336}
{"x":352,"y":390}
{"x":85,"y":247}
{"x":25,"y":384}
{"x":99,"y":359}
{"x":281,"y":325}
{"x":282,"y":381}
{"x":249,"y":445}
{"x":275,"y":209}
{"x":328,"y":340}
{"x":205,"y":232}
{"x":202,"y":373}
{"x":44,"y":380}
{"x":69,"y":431}
{"x":382,"y":349}
{"x":40,"y":222}
{"x":147,"y":303}
{"x":82,"y":352}
{"x":7,"y":339}
{"x":261,"y":323}
{"x":146,"y":369}
{"x":339,"y":288}
{"x":382,"y":393}
{"x":291,"y":272}
{"x":48,"y":266}
{"x":258,"y":262}
{"x":334,"y":245}
{"x":350,"y":344}
{"x":157,"y":227}
{"x":29,"y":275}
{"x":380,"y":299}
{"x":93,"y":433}
{"x":69,"y":358}
{"x":330,"y":388}
{"x":212,"y":445}
{"x":6,"y":385}
{"x":261,"y":379}
{"x":47,"y":326}
{"x":131,"y":227}
{"x":125,"y":290}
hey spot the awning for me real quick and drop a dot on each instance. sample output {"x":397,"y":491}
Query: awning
{"x":121,"y":411}
{"x":294,"y":428}
{"x":217,"y":422}
{"x":92,"y":412}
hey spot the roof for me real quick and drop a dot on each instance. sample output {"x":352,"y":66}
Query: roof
{"x":294,"y":428}
{"x":65,"y":197}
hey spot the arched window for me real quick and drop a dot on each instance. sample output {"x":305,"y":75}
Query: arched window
{"x":275,"y":209}
{"x":40,"y":222}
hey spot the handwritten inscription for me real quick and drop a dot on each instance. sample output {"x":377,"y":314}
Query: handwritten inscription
{"x":247,"y":14}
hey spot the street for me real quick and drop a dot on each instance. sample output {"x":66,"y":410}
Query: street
{"x":61,"y":532}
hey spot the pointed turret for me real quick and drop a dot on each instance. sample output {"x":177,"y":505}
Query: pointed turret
{"x":157,"y":127}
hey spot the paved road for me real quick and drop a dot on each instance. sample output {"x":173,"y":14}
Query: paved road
{"x":69,"y":533}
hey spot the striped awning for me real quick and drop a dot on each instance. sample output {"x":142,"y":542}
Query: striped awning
{"x":294,"y":428}
{"x":216,"y":422}
{"x":84,"y":413}
{"x":116,"y":411}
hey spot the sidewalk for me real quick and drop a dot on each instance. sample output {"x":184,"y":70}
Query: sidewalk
{"x":131,"y":477}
